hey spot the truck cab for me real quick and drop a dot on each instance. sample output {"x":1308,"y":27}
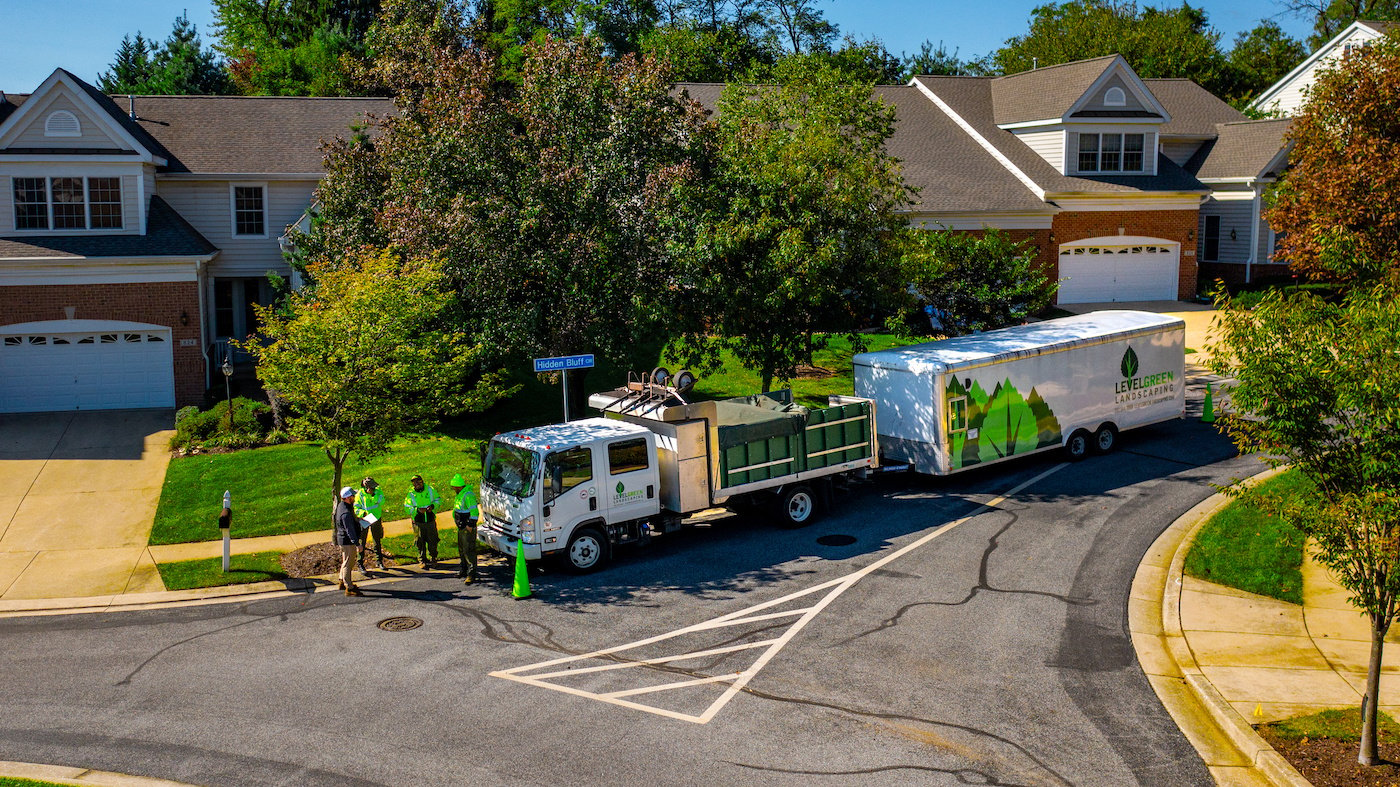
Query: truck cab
{"x":570,"y":490}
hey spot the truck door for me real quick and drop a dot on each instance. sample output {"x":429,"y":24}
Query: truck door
{"x":631,"y":485}
{"x":570,"y":494}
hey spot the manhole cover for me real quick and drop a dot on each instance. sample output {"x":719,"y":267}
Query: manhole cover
{"x":403,"y":623}
{"x":836,"y":540}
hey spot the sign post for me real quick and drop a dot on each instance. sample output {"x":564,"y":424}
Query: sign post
{"x":563,"y":364}
{"x":225,"y":522}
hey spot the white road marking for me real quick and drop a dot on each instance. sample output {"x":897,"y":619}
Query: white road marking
{"x":736,"y":680}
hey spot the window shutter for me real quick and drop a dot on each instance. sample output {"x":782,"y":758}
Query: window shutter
{"x":1071,"y":153}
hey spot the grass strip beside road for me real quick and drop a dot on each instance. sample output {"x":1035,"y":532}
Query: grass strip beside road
{"x":8,"y":781}
{"x":267,"y":566}
{"x":1244,"y":548}
{"x":1337,"y":724}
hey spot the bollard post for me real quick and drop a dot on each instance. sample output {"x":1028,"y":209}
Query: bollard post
{"x":225,"y":521}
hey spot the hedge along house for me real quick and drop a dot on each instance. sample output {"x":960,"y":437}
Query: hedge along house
{"x":1098,"y":169}
{"x":137,"y":231}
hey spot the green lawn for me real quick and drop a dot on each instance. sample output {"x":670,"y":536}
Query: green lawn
{"x":1246,"y":549}
{"x":1342,"y":725}
{"x":287,"y":488}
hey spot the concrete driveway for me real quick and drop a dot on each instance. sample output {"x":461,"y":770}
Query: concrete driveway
{"x":78,"y":494}
{"x":1198,"y":317}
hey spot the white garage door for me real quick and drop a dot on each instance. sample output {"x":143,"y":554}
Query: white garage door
{"x":107,"y":366}
{"x":1141,"y":269}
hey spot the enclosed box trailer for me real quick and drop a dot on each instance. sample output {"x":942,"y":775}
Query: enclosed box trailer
{"x":1073,"y":382}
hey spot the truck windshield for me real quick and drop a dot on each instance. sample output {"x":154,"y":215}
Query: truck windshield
{"x":510,"y":469}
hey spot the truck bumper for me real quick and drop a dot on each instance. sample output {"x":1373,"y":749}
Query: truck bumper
{"x":505,"y":544}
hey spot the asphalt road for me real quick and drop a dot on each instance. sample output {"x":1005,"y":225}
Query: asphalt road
{"x":993,"y":650}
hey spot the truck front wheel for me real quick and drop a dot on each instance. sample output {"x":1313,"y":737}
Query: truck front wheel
{"x":1077,"y":446}
{"x":587,"y":551}
{"x":797,"y":506}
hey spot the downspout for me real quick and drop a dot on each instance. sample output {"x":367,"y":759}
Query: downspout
{"x":1253,"y":233}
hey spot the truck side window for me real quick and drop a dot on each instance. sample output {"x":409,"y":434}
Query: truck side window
{"x":567,"y":469}
{"x":957,"y":415}
{"x":627,"y":455}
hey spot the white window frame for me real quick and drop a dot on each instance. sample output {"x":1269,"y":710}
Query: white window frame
{"x":233,"y":208}
{"x":49,"y":131}
{"x":1147,"y":155}
{"x":1115,"y":97}
{"x":87,"y":204}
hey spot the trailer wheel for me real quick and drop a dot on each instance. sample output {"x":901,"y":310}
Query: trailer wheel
{"x":1105,"y":439}
{"x":1077,"y":446}
{"x":587,"y":551}
{"x":797,"y":506}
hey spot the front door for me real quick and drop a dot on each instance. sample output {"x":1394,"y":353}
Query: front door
{"x":570,"y":494}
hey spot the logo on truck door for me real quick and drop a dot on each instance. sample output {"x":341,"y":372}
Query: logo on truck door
{"x":622,"y":496}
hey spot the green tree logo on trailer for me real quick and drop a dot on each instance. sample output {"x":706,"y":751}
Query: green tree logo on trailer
{"x":1129,"y":367}
{"x":998,"y":425}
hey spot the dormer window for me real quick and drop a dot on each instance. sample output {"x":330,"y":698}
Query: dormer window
{"x":62,"y":123}
{"x":1111,"y":152}
{"x":1115,"y":97}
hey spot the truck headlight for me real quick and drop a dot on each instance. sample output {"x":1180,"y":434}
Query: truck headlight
{"x":527,"y":525}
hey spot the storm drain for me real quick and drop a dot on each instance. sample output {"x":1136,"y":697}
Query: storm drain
{"x":402,"y":623}
{"x":836,"y":540}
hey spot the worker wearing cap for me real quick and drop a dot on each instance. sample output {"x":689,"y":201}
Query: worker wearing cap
{"x":421,"y":504}
{"x":370,"y":502}
{"x":464,"y":515}
{"x":347,"y":536}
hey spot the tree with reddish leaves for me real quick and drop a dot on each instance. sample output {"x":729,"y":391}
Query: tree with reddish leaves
{"x":1337,"y":208}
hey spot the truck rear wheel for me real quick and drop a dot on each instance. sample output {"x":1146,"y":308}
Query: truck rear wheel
{"x":587,"y":551}
{"x":1077,"y":446}
{"x":797,"y":506}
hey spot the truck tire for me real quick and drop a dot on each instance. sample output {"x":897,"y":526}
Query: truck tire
{"x":1105,"y":438}
{"x":1077,"y":446}
{"x":587,"y":551}
{"x":797,"y":506}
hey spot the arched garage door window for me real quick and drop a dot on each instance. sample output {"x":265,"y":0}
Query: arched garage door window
{"x":1116,"y":269}
{"x":85,"y":365}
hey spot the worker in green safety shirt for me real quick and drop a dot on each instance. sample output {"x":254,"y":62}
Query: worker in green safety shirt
{"x":421,"y":505}
{"x":370,"y":503}
{"x":464,"y":515}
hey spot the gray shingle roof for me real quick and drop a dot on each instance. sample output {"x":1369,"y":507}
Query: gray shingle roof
{"x":1045,"y":92}
{"x":1379,"y":27}
{"x":1240,"y":150}
{"x":970,"y":97}
{"x":167,"y":235}
{"x":1195,"y":111}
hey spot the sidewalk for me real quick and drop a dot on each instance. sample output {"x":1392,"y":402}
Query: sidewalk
{"x":170,"y":553}
{"x":1222,"y":660}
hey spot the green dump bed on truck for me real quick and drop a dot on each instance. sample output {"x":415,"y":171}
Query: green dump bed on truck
{"x":761,"y":440}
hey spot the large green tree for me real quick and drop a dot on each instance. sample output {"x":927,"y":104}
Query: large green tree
{"x":1317,"y":386}
{"x":795,"y":238}
{"x":1259,"y":58}
{"x":295,"y":47}
{"x":1337,"y":208}
{"x":182,"y":65}
{"x":1330,"y":17}
{"x":554,"y":204}
{"x":369,"y":354}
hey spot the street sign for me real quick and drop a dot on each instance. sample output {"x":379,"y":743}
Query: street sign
{"x":563,"y":362}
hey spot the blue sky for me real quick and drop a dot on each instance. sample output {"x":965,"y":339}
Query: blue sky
{"x":37,"y":36}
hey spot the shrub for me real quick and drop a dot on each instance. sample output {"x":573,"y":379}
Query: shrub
{"x":211,"y":428}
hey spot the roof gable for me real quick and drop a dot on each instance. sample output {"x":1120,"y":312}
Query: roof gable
{"x":1138,"y":100}
{"x":99,"y":129}
{"x":1361,"y":28}
{"x":1045,"y":93}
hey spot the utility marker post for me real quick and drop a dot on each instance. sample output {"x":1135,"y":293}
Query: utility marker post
{"x":225,"y":521}
{"x":562,"y":364}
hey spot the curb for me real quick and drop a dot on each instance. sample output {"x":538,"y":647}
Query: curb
{"x":165,"y":599}
{"x":1226,"y":741}
{"x":63,"y":774}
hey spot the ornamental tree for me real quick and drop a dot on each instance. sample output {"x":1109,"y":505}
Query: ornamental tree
{"x":1317,"y":389}
{"x":1337,"y":207}
{"x":795,"y":236}
{"x":368,"y":354}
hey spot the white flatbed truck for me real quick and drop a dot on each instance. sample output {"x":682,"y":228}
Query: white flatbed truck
{"x":1072,"y":383}
{"x":575,"y":490}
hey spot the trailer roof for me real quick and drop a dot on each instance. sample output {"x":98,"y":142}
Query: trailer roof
{"x":1018,"y":341}
{"x":579,"y":432}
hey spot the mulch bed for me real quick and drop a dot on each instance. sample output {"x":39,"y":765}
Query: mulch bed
{"x":321,"y":559}
{"x":806,"y":372}
{"x":1327,"y":762}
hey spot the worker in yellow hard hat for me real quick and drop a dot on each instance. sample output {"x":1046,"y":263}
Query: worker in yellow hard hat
{"x":464,"y":515}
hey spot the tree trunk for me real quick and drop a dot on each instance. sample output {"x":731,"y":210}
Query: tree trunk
{"x":338,"y":462}
{"x":767,"y":376}
{"x":1369,"y":754}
